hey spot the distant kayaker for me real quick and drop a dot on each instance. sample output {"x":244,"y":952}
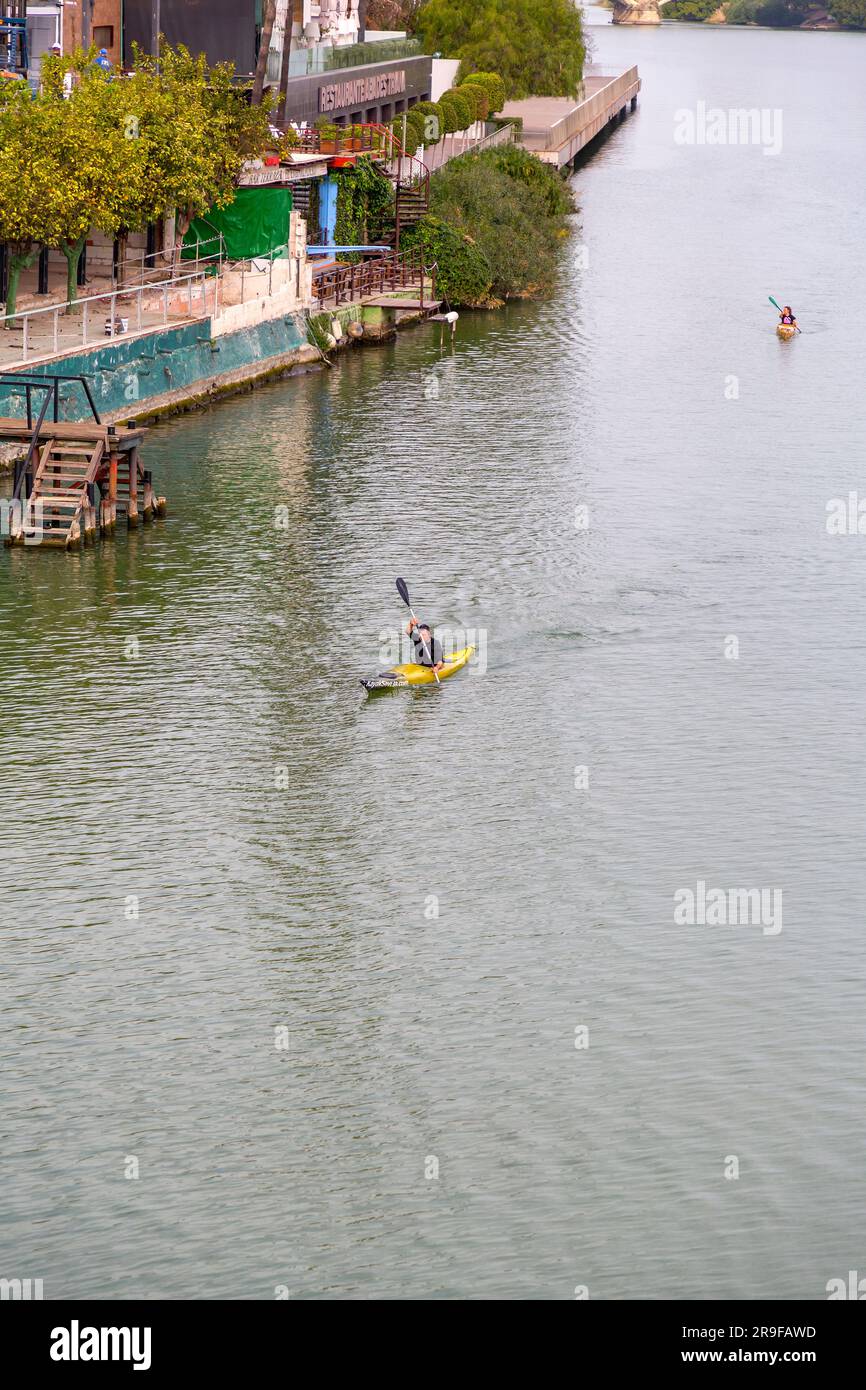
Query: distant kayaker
{"x":787,"y":316}
{"x":428,"y":649}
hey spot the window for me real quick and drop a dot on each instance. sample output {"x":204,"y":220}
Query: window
{"x":103,"y":35}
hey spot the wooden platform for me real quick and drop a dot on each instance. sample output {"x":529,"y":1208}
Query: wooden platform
{"x":394,"y":302}
{"x":13,"y":428}
{"x":73,"y":479}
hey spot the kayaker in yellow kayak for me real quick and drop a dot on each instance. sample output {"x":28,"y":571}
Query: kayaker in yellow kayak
{"x":428,"y":649}
{"x":787,"y":317}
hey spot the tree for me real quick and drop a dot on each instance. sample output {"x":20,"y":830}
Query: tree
{"x":117,"y":155}
{"x":536,"y":45}
{"x":849,"y":12}
{"x":268,"y":18}
{"x":26,"y":179}
{"x":197,"y":129}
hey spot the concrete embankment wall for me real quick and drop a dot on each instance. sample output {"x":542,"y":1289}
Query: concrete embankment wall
{"x":170,"y":367}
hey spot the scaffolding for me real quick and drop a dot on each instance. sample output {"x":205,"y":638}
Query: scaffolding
{"x":13,"y":37}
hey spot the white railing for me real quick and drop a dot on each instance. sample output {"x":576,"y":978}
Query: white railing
{"x":136,"y":268}
{"x":79,"y":329}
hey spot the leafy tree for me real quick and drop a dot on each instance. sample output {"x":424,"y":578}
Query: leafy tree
{"x":478,"y":99}
{"x":536,"y":45}
{"x":513,"y":210}
{"x":691,"y":10}
{"x":459,"y":110}
{"x":27,"y":214}
{"x":198,"y":129}
{"x":849,"y":12}
{"x":489,"y":82}
{"x":740,"y":12}
{"x":463,"y":274}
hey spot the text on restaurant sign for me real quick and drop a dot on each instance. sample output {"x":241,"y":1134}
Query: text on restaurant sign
{"x":361,"y":90}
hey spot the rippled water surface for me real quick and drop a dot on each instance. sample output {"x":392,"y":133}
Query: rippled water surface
{"x":287,"y":843}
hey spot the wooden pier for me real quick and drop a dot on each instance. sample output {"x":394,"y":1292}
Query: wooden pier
{"x":73,"y":479}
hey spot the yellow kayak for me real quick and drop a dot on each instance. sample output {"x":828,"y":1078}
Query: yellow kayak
{"x":410,"y":673}
{"x":785,"y":330}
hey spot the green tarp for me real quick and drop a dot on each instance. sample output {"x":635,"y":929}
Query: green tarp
{"x":256,"y":223}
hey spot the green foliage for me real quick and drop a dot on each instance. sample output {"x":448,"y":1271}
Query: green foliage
{"x":536,"y":45}
{"x":463,"y":274}
{"x":477,"y":97}
{"x":458,"y":109}
{"x":510,"y":210}
{"x":364,"y":203}
{"x":741,"y":12}
{"x":119,"y":154}
{"x":782,"y":14}
{"x":491,"y":83}
{"x":414,"y":131}
{"x":432,"y":120}
{"x":691,"y":10}
{"x":545,"y":183}
{"x":851,"y":13}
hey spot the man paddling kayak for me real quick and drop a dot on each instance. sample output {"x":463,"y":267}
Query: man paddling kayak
{"x":428,"y":649}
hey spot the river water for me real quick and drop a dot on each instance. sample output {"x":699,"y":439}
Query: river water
{"x":311,"y":965}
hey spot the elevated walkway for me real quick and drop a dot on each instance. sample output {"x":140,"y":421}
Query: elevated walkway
{"x":558,"y":128}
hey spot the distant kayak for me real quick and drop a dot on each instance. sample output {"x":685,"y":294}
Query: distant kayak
{"x":411,"y":673}
{"x":785,"y":330}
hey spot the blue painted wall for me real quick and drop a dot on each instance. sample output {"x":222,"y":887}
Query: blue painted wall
{"x":123,"y":376}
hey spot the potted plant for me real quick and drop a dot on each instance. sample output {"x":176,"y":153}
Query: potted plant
{"x":327,"y":136}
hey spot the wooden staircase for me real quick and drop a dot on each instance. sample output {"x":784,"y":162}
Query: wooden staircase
{"x":62,"y":499}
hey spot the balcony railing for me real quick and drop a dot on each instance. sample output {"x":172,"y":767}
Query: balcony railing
{"x":324,"y":57}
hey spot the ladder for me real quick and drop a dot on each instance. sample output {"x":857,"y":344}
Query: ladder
{"x":62,"y":506}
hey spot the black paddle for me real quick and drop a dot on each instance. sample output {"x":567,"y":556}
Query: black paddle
{"x":403,"y":591}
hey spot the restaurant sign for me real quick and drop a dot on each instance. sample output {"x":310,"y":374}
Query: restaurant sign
{"x":362,"y":90}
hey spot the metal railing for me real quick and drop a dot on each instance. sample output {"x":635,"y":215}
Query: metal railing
{"x":589,"y":112}
{"x":17,"y":383}
{"x":325,"y":57}
{"x":194,"y":286}
{"x":453,"y":146}
{"x":344,"y":284}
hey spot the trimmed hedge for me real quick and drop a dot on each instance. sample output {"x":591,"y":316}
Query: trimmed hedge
{"x":478,"y":98}
{"x":458,"y":108}
{"x":492,"y":84}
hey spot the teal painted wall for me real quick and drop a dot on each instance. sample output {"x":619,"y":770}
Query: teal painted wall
{"x":123,"y":376}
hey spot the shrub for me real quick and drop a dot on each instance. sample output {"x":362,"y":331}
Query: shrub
{"x":459,"y":110}
{"x":414,"y":132}
{"x":514,"y":213}
{"x":463,"y":274}
{"x":545,"y":181}
{"x":492,"y":84}
{"x":477,"y":95}
{"x":432,"y":121}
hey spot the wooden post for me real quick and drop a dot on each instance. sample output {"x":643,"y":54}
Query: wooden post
{"x":149,"y":499}
{"x":132,"y":514}
{"x":109,"y":496}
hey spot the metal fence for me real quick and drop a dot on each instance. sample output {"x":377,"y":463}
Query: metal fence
{"x":43,"y":335}
{"x":346,"y":284}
